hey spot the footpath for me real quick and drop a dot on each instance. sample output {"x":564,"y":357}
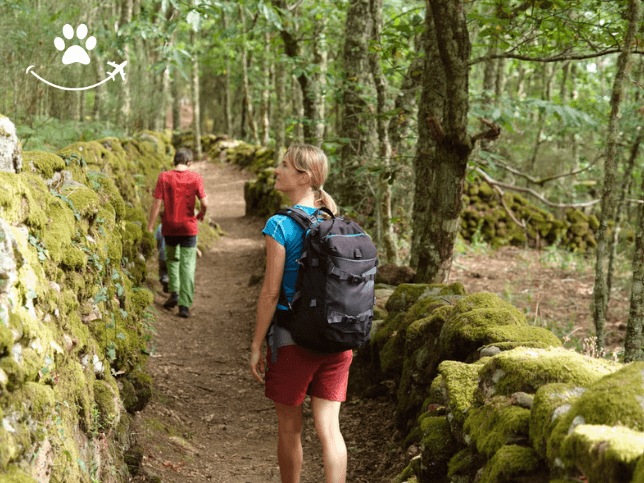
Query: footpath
{"x":208,"y":420}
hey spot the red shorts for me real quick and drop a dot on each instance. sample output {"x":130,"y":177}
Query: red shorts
{"x":288,"y":379}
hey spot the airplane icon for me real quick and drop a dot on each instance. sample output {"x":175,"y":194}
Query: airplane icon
{"x":118,"y":69}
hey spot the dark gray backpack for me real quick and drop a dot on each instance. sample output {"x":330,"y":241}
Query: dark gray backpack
{"x":332,"y":307}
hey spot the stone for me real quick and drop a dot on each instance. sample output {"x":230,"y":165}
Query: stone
{"x":8,"y":268}
{"x":394,"y":274}
{"x":10,"y":147}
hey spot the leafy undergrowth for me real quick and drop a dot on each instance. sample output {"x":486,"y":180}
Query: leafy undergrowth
{"x":554,"y":288}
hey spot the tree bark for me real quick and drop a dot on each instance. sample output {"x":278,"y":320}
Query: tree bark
{"x":278,"y":114}
{"x":384,"y":147}
{"x":633,"y":340}
{"x":443,"y":143}
{"x":607,"y":200}
{"x":358,"y":123}
{"x":623,"y":190}
{"x":176,"y":101}
{"x":247,"y":97}
{"x":267,"y":66}
{"x":312,"y":102}
{"x":228,"y":111}
{"x":126,"y":107}
{"x":196,"y":107}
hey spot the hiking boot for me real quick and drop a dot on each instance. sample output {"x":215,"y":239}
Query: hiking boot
{"x":183,"y":311}
{"x":172,"y":301}
{"x":165,"y":287}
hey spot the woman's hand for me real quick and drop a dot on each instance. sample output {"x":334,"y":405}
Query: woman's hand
{"x":257,"y":364}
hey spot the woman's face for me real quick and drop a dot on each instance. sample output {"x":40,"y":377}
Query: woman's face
{"x":287,"y":177}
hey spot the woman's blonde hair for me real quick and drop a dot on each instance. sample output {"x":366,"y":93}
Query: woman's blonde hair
{"x":312,"y":160}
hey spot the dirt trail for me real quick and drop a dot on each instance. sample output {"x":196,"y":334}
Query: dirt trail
{"x":208,"y":420}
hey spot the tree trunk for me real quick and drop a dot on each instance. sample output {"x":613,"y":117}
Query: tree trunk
{"x":633,"y":340}
{"x":267,"y":67}
{"x":608,"y":195}
{"x":623,"y":190}
{"x":126,"y":106}
{"x":384,"y":148}
{"x":196,"y":107}
{"x":298,"y":110}
{"x":176,"y":100}
{"x":228,"y":111}
{"x":320,"y":58}
{"x":358,"y":123}
{"x":310,"y":97}
{"x":489,"y":75}
{"x":443,"y":143}
{"x":546,"y":94}
{"x":278,"y":114}
{"x":247,"y":97}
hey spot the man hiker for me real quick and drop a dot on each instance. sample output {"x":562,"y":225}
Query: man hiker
{"x":177,"y":191}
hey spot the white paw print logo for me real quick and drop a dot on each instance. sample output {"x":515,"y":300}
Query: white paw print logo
{"x":75,"y":53}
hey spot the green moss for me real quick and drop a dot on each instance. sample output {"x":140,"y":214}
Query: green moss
{"x":13,"y":371}
{"x":438,"y":446}
{"x":495,"y":424}
{"x":604,"y":453}
{"x":208,"y":236}
{"x":511,"y":462}
{"x":407,"y":294}
{"x":74,"y":258}
{"x":106,"y":396}
{"x":408,"y":475}
{"x":46,"y":164}
{"x":141,"y":299}
{"x":14,"y":474}
{"x":550,"y":402}
{"x":525,"y":370}
{"x":463,"y":464}
{"x":6,"y":340}
{"x":459,"y":382}
{"x":57,"y":234}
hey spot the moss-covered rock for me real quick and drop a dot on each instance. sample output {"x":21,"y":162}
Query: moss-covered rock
{"x":604,"y":454}
{"x":497,"y":423}
{"x":511,"y":462}
{"x":460,"y":382}
{"x":550,"y":403}
{"x":437,"y":446}
{"x":526,"y":370}
{"x":613,"y":400}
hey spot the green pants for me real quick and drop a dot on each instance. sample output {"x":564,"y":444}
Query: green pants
{"x":181,"y":262}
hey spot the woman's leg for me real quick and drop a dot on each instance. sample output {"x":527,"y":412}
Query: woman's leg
{"x":289,"y":442}
{"x":326,"y":415}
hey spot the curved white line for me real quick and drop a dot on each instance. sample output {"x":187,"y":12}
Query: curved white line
{"x":68,"y":88}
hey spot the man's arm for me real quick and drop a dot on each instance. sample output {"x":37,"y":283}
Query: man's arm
{"x":204,"y":207}
{"x":154,"y":212}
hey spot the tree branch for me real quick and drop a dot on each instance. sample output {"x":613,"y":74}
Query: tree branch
{"x":541,"y":182}
{"x":553,"y":58}
{"x":545,"y":201}
{"x":491,"y":134}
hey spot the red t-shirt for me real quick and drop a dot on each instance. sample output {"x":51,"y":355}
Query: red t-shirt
{"x":178,"y":189}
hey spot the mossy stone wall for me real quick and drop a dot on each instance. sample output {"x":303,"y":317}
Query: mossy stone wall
{"x":485,"y":214}
{"x":74,"y":318}
{"x":487,"y":397}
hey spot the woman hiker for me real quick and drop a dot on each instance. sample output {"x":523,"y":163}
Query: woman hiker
{"x":294,"y":369}
{"x":176,"y":190}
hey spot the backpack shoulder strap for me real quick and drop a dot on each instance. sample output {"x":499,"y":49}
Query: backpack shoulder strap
{"x":300,"y":217}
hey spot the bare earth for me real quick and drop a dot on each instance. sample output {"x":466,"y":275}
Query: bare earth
{"x":209,"y":420}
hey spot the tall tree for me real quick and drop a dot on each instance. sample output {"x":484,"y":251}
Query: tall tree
{"x":248,"y":102}
{"x":443,"y":142}
{"x":358,"y":123}
{"x":633,"y":15}
{"x":384,"y":146}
